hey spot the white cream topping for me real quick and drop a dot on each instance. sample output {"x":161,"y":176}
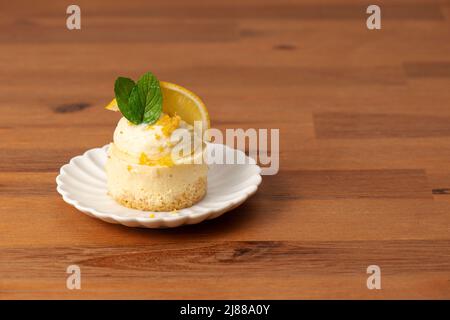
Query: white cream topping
{"x":153,"y":140}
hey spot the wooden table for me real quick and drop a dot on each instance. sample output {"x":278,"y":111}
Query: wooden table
{"x":364,"y":119}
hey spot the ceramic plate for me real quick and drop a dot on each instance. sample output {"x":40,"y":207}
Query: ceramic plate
{"x":82,"y":183}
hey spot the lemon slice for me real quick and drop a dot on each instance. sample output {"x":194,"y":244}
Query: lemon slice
{"x":186,"y":104}
{"x":180,"y":101}
{"x":112,"y":105}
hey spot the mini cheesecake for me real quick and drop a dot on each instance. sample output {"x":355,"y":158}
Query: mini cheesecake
{"x":143,"y":172}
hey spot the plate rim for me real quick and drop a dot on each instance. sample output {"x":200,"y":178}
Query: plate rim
{"x":160,"y":221}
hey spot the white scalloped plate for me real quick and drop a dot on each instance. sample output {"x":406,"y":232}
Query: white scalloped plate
{"x":82,"y":183}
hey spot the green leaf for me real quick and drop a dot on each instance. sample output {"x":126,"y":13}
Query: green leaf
{"x":147,"y":96}
{"x":122,"y":90}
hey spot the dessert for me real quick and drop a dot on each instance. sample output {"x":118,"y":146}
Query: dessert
{"x":155,"y":162}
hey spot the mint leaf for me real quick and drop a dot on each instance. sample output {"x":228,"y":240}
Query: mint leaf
{"x":147,"y":96}
{"x":122,"y":90}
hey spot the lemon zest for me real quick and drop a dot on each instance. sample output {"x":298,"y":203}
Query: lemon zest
{"x":165,"y":161}
{"x":168,"y":124}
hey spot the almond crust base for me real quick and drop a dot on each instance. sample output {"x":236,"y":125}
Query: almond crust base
{"x":161,"y":202}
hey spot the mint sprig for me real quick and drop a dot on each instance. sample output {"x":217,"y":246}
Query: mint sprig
{"x":139,"y":102}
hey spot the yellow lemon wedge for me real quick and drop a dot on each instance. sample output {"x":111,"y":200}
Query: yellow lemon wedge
{"x":184,"y":103}
{"x":179,"y":101}
{"x":112,"y":105}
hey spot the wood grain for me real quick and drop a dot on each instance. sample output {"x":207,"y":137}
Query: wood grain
{"x":427,"y":69}
{"x":364,"y":121}
{"x":207,"y":259}
{"x":366,"y":126}
{"x":267,"y":262}
{"x":346,"y":184}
